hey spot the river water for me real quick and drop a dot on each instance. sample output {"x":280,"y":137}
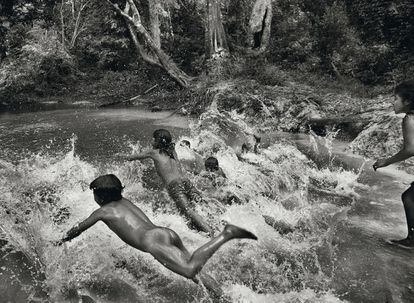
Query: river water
{"x":339,"y":211}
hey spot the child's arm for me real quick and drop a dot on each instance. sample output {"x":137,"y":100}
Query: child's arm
{"x":140,"y":156}
{"x":81,"y":227}
{"x":406,"y":151}
{"x":221,"y":173}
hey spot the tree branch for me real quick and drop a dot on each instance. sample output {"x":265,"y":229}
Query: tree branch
{"x":135,"y":13}
{"x":145,"y":56}
{"x":121,"y":12}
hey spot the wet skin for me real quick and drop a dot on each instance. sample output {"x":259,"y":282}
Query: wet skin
{"x":407,"y":151}
{"x":130,"y":224}
{"x":167,"y":168}
{"x":170,"y":170}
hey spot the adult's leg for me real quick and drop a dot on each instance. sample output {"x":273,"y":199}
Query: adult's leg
{"x":408,"y":201}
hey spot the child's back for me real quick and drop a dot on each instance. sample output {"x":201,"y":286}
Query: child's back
{"x":127,"y":221}
{"x":169,"y":169}
{"x":179,"y":187}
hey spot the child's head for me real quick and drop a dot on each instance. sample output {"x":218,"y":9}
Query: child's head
{"x":404,"y":93}
{"x":106,"y":189}
{"x":211,"y":164}
{"x":244,"y":148}
{"x":185,"y":143}
{"x":163,"y":142}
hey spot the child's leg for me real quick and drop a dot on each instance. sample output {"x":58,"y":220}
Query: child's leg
{"x":199,"y":222}
{"x":162,"y":244}
{"x":202,"y":254}
{"x":179,"y":195}
{"x":408,"y":201}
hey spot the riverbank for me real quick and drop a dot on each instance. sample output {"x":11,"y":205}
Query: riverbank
{"x":273,"y":100}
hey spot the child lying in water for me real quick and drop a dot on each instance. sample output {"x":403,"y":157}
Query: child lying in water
{"x":129,"y":223}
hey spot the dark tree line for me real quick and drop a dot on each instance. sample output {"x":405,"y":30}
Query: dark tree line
{"x":372,"y":41}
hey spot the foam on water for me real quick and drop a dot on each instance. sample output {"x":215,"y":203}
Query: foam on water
{"x":45,"y":195}
{"x":241,"y":293}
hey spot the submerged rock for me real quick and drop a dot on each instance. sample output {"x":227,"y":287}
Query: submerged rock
{"x":286,"y":108}
{"x":230,"y":130}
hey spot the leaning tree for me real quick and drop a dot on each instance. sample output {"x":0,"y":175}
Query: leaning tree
{"x":147,"y":45}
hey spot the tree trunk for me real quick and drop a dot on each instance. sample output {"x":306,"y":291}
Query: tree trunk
{"x":260,"y":24}
{"x":154,"y":55}
{"x":154,"y":7}
{"x":62,"y":25}
{"x":216,"y":42}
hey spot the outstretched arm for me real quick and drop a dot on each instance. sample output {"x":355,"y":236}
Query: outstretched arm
{"x":140,"y":156}
{"x":406,"y":151}
{"x":81,"y":227}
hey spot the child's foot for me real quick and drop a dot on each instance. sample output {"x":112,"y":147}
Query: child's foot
{"x":405,"y":243}
{"x":239,"y":233}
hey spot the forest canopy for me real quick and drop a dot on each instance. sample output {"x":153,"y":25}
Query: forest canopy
{"x":48,"y":44}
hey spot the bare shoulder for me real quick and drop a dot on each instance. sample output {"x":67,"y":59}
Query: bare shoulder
{"x":408,"y":121}
{"x":153,"y":154}
{"x":106,"y":212}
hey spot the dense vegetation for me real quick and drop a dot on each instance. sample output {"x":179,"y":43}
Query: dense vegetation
{"x":50,"y":47}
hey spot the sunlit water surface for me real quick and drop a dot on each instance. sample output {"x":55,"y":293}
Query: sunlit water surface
{"x":336,"y":250}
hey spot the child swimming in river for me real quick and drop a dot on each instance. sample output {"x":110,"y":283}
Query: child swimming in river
{"x":212,"y":165}
{"x":213,"y":182}
{"x":179,"y":187}
{"x":191,"y":160}
{"x":129,"y":223}
{"x":404,"y":103}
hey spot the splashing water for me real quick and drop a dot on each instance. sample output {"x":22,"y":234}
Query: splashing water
{"x":44,"y":195}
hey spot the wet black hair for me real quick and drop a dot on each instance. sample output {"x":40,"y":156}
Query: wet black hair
{"x":186,"y":143}
{"x":164,"y":142}
{"x":211,"y":164}
{"x":406,"y":91}
{"x":108,"y":188}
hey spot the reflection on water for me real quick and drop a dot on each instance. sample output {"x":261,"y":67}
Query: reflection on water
{"x":333,"y":250}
